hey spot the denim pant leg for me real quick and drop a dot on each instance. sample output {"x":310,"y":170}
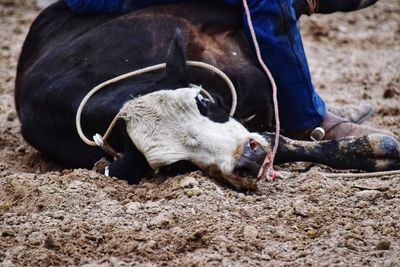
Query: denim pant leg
{"x":281,"y":47}
{"x":137,"y":4}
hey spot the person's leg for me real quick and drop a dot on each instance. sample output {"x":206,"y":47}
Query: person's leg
{"x":115,"y":6}
{"x":301,"y":109}
{"x":330,"y":6}
{"x":281,"y":47}
{"x":94,"y":6}
{"x":121,"y":6}
{"x":307,"y":7}
{"x":137,"y":4}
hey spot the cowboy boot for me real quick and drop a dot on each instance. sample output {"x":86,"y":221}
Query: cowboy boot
{"x":356,"y":114}
{"x":334,"y":127}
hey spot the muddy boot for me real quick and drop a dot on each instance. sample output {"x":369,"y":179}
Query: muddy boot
{"x":334,"y":127}
{"x":309,"y":7}
{"x":357,"y":114}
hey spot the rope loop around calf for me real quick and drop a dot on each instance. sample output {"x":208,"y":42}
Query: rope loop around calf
{"x":98,"y":139}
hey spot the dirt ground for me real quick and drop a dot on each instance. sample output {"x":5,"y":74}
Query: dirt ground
{"x":51,"y":216}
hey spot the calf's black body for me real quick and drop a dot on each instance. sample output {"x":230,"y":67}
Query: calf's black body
{"x":65,"y":55}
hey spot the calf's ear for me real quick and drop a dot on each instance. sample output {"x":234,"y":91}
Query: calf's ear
{"x":176,"y":69}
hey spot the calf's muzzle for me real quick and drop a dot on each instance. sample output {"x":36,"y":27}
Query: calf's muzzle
{"x":250,"y":161}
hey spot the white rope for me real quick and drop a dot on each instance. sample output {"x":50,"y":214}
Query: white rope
{"x":98,"y":139}
{"x":361,"y":175}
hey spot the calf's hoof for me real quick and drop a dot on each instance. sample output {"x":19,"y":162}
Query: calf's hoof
{"x":100,"y":165}
{"x":385,"y":152}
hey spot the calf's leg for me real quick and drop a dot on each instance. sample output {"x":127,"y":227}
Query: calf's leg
{"x":374,"y":152}
{"x":132,"y":165}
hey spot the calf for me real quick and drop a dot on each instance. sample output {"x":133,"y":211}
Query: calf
{"x":165,"y":121}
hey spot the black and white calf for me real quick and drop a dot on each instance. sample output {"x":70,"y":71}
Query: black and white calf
{"x":165,"y":121}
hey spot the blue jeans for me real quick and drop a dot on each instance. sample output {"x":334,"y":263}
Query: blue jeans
{"x":281,"y":47}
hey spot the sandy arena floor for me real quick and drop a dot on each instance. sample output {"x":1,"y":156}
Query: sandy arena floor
{"x":51,"y":216}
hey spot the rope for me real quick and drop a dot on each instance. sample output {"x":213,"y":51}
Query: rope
{"x":312,"y":6}
{"x":361,"y":175}
{"x":100,"y":140}
{"x":105,"y":146}
{"x":268,"y":160}
{"x":286,"y":174}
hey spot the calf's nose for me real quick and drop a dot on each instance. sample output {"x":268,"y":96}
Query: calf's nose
{"x":251,"y":159}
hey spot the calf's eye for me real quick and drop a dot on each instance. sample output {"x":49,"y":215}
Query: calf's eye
{"x":211,"y":110}
{"x":202,"y":104}
{"x":204,"y":101}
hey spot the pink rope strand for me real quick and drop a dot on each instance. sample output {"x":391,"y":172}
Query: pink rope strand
{"x":271,"y":173}
{"x":312,"y":6}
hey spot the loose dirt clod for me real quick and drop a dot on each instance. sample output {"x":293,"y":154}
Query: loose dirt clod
{"x":383,"y":245}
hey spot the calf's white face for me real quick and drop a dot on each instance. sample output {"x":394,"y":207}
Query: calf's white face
{"x":167,"y":126}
